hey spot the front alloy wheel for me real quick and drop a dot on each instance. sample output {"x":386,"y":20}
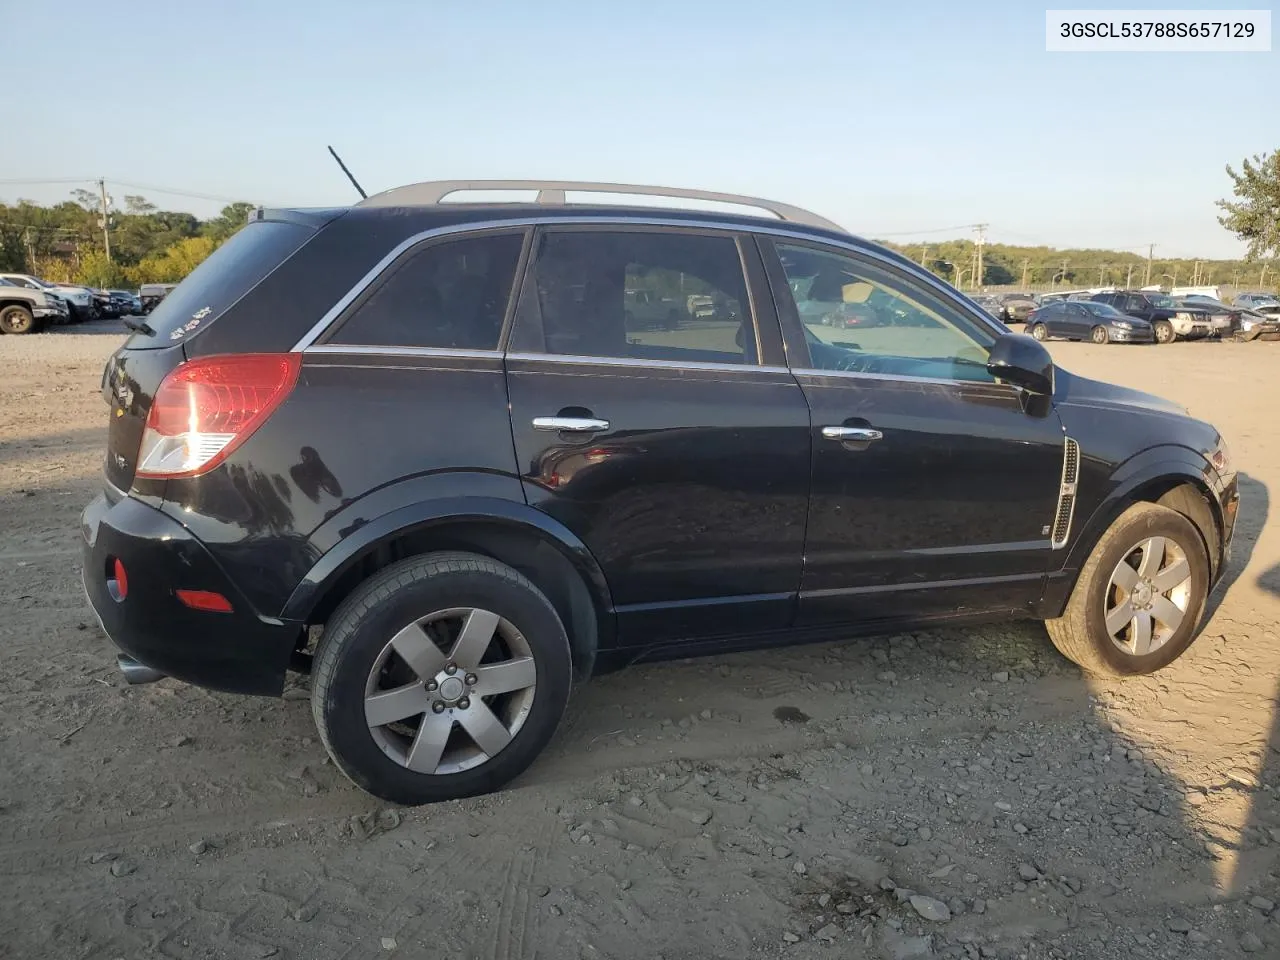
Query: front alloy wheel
{"x":1137,"y":603}
{"x":1148,"y":596}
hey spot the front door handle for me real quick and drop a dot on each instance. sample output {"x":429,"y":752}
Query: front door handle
{"x":851,"y":434}
{"x":570,"y":424}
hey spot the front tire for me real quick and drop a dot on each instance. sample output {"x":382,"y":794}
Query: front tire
{"x":1164,"y":331}
{"x":442,"y":676}
{"x":1099,"y":334}
{"x":1137,"y":604}
{"x":17,"y":319}
{"x":1039,"y":332}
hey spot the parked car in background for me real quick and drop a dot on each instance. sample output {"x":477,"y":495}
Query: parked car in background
{"x":1169,"y":318}
{"x":126,"y":303}
{"x":79,"y":299}
{"x":730,"y":485}
{"x":1264,"y":303}
{"x":1213,"y":293}
{"x":1087,"y":320}
{"x":1014,"y":307}
{"x":1066,"y":295}
{"x":644,"y":308}
{"x":103,"y":304}
{"x":1224,"y":319}
{"x":991,"y":304}
{"x":152,"y":293}
{"x":25,"y":309}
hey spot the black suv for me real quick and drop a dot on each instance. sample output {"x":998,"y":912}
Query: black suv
{"x":1168,"y":318}
{"x":416,"y":447}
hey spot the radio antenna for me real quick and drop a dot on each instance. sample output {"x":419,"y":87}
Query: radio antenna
{"x":354,"y":182}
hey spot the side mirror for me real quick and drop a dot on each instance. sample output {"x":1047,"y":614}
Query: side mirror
{"x":1018,"y":359}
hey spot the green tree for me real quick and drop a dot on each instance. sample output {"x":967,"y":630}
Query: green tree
{"x":1255,"y":215}
{"x":174,"y":263}
{"x":227,"y":223}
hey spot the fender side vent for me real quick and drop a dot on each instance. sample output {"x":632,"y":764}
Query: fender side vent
{"x":1066,"y":494}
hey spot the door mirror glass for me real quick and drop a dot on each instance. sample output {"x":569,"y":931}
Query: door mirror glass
{"x":1023,"y":362}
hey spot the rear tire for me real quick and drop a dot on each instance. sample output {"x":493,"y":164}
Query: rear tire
{"x":16,"y":319}
{"x":1081,"y":634}
{"x":1039,"y":332}
{"x":441,"y":609}
{"x":1099,"y":334}
{"x":1164,"y":331}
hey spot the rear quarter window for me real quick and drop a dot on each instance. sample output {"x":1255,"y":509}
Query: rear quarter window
{"x":228,"y":274}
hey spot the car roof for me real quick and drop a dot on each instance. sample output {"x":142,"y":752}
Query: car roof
{"x":432,"y":216}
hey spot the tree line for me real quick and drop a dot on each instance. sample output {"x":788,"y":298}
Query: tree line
{"x":64,"y":242}
{"x":1005,"y":265}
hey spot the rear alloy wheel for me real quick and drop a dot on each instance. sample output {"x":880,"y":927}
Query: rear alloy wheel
{"x":1039,"y":332}
{"x":1137,"y":604}
{"x":1099,"y":334}
{"x":17,"y":319}
{"x":442,"y":676}
{"x":1164,"y":331}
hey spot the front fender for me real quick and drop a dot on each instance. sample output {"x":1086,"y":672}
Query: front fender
{"x":1145,"y":476}
{"x":362,"y":539}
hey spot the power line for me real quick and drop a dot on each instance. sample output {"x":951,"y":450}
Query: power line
{"x":176,"y":193}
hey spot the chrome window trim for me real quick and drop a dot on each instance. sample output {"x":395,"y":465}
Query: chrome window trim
{"x":375,"y":350}
{"x":526,"y":220}
{"x":906,"y":378}
{"x":583,"y":361}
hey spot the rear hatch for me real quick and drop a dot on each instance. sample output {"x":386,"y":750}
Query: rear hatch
{"x":135,"y":371}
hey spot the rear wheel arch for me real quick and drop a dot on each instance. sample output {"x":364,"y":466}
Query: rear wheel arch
{"x":579,"y":597}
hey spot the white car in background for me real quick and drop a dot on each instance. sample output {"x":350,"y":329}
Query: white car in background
{"x":79,"y":299}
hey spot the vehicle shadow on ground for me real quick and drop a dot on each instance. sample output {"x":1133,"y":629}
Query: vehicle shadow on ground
{"x":1255,"y":508}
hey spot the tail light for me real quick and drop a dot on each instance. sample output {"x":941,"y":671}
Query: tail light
{"x":206,"y":408}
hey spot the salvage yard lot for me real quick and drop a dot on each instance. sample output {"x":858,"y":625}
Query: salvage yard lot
{"x":782,"y":803}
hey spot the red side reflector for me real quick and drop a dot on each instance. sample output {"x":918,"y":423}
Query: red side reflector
{"x":121,"y":578}
{"x":205,"y":600}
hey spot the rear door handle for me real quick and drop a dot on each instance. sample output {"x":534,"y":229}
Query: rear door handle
{"x":570,"y":424}
{"x":851,"y":434}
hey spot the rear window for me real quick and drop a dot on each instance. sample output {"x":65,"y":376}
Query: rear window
{"x":233,"y":270}
{"x":450,"y":294}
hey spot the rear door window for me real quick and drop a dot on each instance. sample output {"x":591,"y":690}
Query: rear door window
{"x":449,"y":294}
{"x":228,"y":274}
{"x":668,"y":296}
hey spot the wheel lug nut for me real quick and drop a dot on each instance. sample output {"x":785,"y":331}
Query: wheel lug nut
{"x":438,"y":706}
{"x":464,"y":703}
{"x":451,"y":669}
{"x":472,"y":679}
{"x":432,"y":686}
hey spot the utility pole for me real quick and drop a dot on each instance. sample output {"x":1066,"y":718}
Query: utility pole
{"x":1101,"y":271}
{"x":1128,"y":281}
{"x":1025,"y":262}
{"x":1151,"y":252}
{"x":1064,"y":270}
{"x":106,"y":232}
{"x":924,"y":255}
{"x":981,"y":230}
{"x":1263,"y":279}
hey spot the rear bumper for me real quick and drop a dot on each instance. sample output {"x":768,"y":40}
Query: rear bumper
{"x":240,"y":652}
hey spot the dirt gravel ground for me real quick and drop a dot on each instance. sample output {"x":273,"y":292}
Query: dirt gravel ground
{"x":963,"y":793}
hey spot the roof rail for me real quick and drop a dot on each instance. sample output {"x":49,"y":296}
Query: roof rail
{"x":553,"y":192}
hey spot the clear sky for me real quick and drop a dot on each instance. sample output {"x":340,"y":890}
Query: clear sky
{"x":889,"y":118}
